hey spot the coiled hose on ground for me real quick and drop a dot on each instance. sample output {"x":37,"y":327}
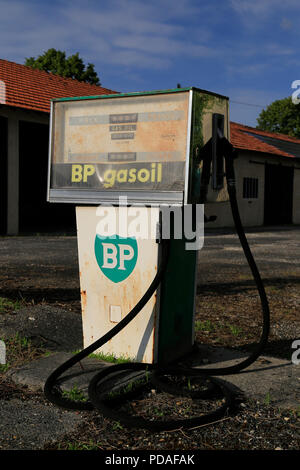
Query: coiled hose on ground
{"x":158,"y":375}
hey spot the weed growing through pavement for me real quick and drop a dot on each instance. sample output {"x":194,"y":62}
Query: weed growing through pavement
{"x":75,"y":394}
{"x":235,"y":330}
{"x":205,"y":325}
{"x":19,"y":350}
{"x":268,"y":399}
{"x":7,"y":305}
{"x":108,"y":357}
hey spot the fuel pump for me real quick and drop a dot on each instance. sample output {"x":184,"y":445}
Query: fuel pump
{"x":130,"y":162}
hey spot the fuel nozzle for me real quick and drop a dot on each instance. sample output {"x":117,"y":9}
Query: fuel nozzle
{"x":211,"y":158}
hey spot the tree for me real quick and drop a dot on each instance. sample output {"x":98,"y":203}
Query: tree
{"x":281,"y":116}
{"x":56,"y":62}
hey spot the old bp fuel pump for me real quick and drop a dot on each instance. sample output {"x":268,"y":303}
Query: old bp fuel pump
{"x":140,"y":167}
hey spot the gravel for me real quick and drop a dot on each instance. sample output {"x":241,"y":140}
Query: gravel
{"x":46,"y":325}
{"x":29,"y":425}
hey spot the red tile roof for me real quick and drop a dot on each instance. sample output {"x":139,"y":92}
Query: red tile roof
{"x":33,"y":89}
{"x":240,"y":138}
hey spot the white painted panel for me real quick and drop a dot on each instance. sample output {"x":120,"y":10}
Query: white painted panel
{"x":99,"y":294}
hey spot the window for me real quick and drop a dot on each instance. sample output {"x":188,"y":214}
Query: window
{"x":250,"y":188}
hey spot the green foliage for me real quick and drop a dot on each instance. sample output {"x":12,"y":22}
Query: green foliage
{"x":117,"y":425}
{"x":268,"y":399}
{"x":56,"y":62}
{"x":205,"y":325}
{"x":19,"y":350}
{"x":74,"y":394}
{"x":281,"y":116}
{"x":235,"y":330}
{"x":7,"y":305}
{"x":129,"y":387}
{"x":3,"y":368}
{"x":90,"y":445}
{"x":111,"y":358}
{"x":157,"y":412}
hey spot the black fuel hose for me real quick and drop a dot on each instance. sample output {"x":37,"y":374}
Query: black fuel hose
{"x":231,"y":187}
{"x":159,"y":375}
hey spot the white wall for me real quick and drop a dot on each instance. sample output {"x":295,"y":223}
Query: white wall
{"x":251,"y":164}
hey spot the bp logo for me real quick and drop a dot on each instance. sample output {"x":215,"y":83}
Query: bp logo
{"x":116,"y":256}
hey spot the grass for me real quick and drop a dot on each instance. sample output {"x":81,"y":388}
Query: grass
{"x":7,"y":305}
{"x":205,"y":325}
{"x":81,"y":446}
{"x":130,"y":387}
{"x":108,"y":358}
{"x":74,"y":394}
{"x":117,"y":425}
{"x":158,"y":412}
{"x":111,"y":358}
{"x":235,"y":330}
{"x":4,"y":368}
{"x":268,"y":399}
{"x":18,"y":351}
{"x":48,"y":353}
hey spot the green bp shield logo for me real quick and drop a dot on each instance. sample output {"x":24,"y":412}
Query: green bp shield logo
{"x":116,"y":256}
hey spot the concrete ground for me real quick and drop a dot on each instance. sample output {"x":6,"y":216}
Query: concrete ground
{"x":43,"y":263}
{"x":276,"y":251}
{"x":45,"y":268}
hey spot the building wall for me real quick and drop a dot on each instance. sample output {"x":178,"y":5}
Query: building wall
{"x":24,"y":165}
{"x":252,"y":164}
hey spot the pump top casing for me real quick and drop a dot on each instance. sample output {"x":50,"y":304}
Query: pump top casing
{"x":145,"y":146}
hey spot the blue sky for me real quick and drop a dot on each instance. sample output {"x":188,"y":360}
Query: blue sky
{"x":244,"y":49}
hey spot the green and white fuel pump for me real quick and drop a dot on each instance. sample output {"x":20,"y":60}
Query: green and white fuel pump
{"x":140,"y":148}
{"x":133,"y":164}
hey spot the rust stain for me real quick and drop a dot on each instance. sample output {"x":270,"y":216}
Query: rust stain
{"x":79,"y":139}
{"x":83,"y":301}
{"x":150,"y":134}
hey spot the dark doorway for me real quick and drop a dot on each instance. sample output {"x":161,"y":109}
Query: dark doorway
{"x":3,"y":175}
{"x":279,"y":181}
{"x":36,"y":214}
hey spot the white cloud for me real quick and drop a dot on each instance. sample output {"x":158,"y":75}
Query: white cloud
{"x":286,"y":24}
{"x":267,"y":15}
{"x":130,"y":33}
{"x":262,"y":7}
{"x":278,"y":49}
{"x":162,"y":45}
{"x":246,"y":69}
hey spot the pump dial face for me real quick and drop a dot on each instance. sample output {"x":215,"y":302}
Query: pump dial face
{"x":120,"y":144}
